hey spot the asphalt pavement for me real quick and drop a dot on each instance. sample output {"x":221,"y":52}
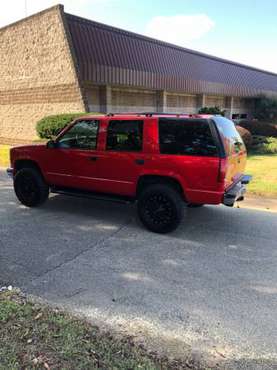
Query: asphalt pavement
{"x":208,"y":291}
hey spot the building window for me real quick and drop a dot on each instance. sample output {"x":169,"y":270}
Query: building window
{"x":83,"y":135}
{"x":185,"y":137}
{"x":243,"y":116}
{"x":125,"y":136}
{"x":239,"y":116}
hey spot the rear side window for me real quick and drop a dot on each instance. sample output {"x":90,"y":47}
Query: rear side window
{"x":125,"y":136}
{"x":231,"y":138}
{"x":186,"y":137}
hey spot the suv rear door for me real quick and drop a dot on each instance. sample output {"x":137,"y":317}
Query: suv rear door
{"x":122,"y":158}
{"x":234,"y":148}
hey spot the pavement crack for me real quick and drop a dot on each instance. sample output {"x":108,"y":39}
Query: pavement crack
{"x":95,"y":245}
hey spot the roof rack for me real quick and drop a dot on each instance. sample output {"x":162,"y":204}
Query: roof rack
{"x":148,"y":114}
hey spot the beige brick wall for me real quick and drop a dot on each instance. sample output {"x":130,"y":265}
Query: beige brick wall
{"x":93,"y":99}
{"x":243,"y":106}
{"x":37,"y":75}
{"x":131,"y":100}
{"x":212,"y":101}
{"x":181,"y":103}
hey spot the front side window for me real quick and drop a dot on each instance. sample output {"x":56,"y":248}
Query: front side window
{"x":125,"y":135}
{"x":83,"y":135}
{"x":186,"y":137}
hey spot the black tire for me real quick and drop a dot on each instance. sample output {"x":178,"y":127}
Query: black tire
{"x":160,"y":208}
{"x":30,"y":187}
{"x":195,"y":205}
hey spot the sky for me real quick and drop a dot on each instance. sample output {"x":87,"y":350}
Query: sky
{"x":243,"y":31}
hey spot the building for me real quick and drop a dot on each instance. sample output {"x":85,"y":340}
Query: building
{"x":54,"y":62}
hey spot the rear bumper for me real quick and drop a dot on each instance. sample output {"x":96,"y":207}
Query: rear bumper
{"x":10,"y":172}
{"x":237,"y":191}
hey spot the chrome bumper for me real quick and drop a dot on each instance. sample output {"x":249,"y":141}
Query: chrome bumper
{"x":237,"y":191}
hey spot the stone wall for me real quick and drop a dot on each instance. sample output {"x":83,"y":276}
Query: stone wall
{"x":37,"y":74}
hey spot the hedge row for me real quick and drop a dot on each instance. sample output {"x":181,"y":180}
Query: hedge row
{"x":50,"y":126}
{"x":264,"y":145}
{"x":260,"y":127}
{"x":246,"y":136}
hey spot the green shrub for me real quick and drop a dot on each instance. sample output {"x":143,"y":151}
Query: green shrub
{"x":50,"y":126}
{"x":211,"y":110}
{"x":264,"y":145}
{"x":262,"y":128}
{"x":246,"y":136}
{"x":266,"y":109}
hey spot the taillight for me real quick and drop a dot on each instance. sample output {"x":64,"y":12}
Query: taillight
{"x":222,"y":170}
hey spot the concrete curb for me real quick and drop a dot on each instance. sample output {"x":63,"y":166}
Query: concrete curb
{"x":258,"y":203}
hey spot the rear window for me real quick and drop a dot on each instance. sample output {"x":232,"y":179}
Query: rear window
{"x":231,"y":138}
{"x":125,"y":135}
{"x":186,"y":137}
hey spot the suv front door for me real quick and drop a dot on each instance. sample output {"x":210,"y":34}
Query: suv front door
{"x":73,"y":162}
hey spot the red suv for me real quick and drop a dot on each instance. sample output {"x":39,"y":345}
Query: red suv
{"x":161,"y":161}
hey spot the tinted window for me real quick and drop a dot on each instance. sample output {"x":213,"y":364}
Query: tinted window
{"x":83,"y":135}
{"x":231,"y":139}
{"x":125,"y":136}
{"x":189,"y":137}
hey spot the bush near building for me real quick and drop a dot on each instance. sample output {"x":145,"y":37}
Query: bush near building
{"x":211,"y":110}
{"x":50,"y":126}
{"x":264,"y":145}
{"x":262,"y":128}
{"x":246,"y":136}
{"x":266,"y":109}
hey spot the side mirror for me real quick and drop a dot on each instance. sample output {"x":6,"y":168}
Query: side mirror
{"x":51,"y":144}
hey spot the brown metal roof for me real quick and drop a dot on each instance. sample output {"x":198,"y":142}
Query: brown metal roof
{"x":108,"y":55}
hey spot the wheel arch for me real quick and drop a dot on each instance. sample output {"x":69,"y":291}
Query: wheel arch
{"x":19,"y":164}
{"x":146,"y":180}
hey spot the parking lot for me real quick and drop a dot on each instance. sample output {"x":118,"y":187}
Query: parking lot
{"x":208,"y":290}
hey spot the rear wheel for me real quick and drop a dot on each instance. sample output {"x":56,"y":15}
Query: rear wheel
{"x":160,"y":208}
{"x":30,"y":187}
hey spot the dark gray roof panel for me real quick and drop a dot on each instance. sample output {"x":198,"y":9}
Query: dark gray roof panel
{"x":109,"y":55}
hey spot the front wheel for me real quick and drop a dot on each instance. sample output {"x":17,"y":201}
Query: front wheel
{"x":160,"y":208}
{"x":30,"y":187}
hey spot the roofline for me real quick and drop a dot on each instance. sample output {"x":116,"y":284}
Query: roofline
{"x":59,"y":7}
{"x":167,"y":44}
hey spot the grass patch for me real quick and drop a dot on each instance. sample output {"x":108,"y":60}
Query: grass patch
{"x":33,"y":336}
{"x":263,"y":168}
{"x":4,"y":155}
